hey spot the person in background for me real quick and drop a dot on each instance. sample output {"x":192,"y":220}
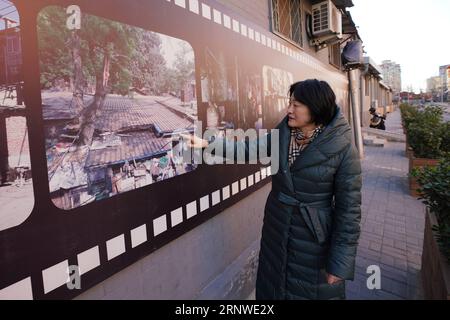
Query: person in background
{"x":377,"y":120}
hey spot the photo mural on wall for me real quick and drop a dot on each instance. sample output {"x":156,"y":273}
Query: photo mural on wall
{"x":16,"y":183}
{"x":109,"y":86}
{"x":113,"y":97}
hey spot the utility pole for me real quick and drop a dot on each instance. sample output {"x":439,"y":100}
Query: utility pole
{"x":410,"y":89}
{"x":356,"y":114}
{"x":407,"y":89}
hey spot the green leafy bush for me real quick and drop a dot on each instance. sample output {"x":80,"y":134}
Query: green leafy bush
{"x":445,"y":146}
{"x":435,"y":193}
{"x":408,"y":114}
{"x":427,"y":133}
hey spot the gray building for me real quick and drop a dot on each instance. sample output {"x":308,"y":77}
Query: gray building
{"x":392,"y":75}
{"x":444,"y":75}
{"x":434,"y":84}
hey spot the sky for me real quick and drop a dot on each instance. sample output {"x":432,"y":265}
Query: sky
{"x":8,"y":10}
{"x":413,"y":33}
{"x":170,"y":48}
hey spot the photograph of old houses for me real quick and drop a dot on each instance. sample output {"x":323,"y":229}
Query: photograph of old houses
{"x":114,"y":99}
{"x":16,"y":185}
{"x":231,"y":93}
{"x":276,"y":84}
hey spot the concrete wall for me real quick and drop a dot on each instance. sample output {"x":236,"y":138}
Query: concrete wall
{"x":365,"y":100}
{"x":216,"y":260}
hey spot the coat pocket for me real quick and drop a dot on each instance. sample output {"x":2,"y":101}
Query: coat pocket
{"x":318,"y":221}
{"x":326,"y":221}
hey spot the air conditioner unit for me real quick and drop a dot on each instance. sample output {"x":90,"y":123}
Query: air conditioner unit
{"x":326,"y":20}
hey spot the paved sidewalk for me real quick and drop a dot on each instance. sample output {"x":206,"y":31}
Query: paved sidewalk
{"x":394,"y":122}
{"x":17,"y":203}
{"x":392,"y":224}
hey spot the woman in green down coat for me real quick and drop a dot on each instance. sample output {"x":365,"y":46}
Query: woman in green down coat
{"x":312,"y":214}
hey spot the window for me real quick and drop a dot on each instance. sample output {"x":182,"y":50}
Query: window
{"x":334,"y":52}
{"x":10,"y":45}
{"x":13,"y":44}
{"x":287,"y":20}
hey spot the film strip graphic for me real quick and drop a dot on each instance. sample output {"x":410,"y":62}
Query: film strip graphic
{"x":258,"y":35}
{"x":251,"y":33}
{"x":57,"y":275}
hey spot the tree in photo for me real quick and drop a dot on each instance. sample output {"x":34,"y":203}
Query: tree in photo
{"x":148,"y":66}
{"x":184,"y":66}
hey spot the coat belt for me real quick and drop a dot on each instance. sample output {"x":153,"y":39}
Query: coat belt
{"x":309,"y":212}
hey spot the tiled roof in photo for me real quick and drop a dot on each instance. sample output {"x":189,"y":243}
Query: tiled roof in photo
{"x":58,"y":105}
{"x":123,"y":114}
{"x":135,"y":145}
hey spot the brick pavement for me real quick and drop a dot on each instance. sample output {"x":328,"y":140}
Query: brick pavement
{"x":392,"y":224}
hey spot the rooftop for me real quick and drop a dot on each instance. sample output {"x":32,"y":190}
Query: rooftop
{"x":57,"y":105}
{"x":124,"y":114}
{"x":373,"y":67}
{"x":340,"y":4}
{"x":135,"y":145}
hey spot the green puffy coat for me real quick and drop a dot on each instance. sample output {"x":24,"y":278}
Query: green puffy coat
{"x":312,"y":215}
{"x":311,"y":218}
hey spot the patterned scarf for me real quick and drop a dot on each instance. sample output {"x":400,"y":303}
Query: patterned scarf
{"x":299,"y":141}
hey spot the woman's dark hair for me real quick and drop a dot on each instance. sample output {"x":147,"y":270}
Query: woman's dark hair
{"x":318,"y":97}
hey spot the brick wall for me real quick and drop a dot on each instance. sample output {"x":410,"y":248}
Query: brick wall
{"x":16,"y":129}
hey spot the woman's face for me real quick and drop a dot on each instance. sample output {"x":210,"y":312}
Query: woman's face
{"x":298,"y":113}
